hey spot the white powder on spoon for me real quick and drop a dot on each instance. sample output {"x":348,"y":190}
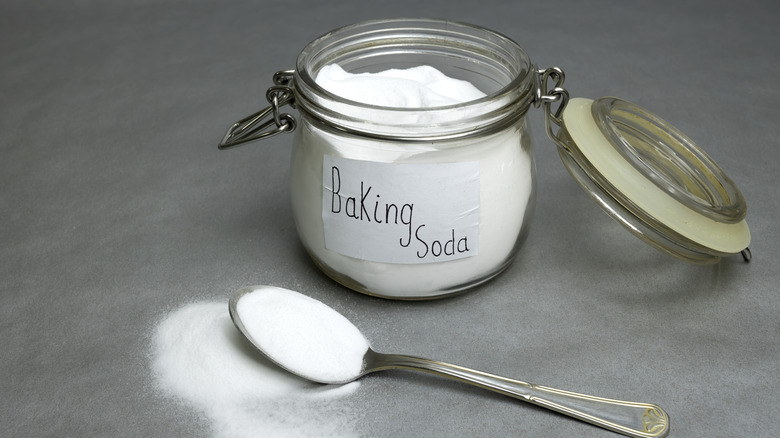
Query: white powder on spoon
{"x":200,"y":358}
{"x":303,"y":334}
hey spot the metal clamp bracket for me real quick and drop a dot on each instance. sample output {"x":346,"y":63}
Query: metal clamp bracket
{"x":256,"y":126}
{"x":546,"y":95}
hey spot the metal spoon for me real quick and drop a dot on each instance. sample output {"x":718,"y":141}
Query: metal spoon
{"x":624,"y":417}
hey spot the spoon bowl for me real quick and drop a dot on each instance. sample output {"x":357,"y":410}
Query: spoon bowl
{"x":313,"y":341}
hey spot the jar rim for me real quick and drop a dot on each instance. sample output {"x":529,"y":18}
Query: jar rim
{"x":473,"y":51}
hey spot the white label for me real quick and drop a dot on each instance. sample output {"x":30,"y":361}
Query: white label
{"x":400,"y":213}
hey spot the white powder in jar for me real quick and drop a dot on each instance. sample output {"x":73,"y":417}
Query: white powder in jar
{"x":303,"y":334}
{"x":416,"y":87}
{"x":200,"y":358}
{"x":506,"y":187}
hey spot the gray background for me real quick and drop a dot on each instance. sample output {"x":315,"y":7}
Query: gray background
{"x":116,"y":207}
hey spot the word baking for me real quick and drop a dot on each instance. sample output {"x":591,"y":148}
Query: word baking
{"x":351,"y":207}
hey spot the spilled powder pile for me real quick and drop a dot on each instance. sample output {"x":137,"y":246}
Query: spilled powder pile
{"x":199,"y":357}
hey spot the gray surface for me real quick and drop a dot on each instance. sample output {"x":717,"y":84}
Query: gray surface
{"x":117,"y":207}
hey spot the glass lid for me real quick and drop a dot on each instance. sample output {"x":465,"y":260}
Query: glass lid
{"x":653,"y":179}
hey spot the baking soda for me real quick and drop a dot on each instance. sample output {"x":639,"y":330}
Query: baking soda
{"x":505,"y":192}
{"x":199,"y":357}
{"x":302,"y":334}
{"x":416,"y":87}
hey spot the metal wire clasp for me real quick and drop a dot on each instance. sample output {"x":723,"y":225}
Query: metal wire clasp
{"x":547,"y":95}
{"x":255,"y":127}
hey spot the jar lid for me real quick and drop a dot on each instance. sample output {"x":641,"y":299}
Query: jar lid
{"x":653,"y":179}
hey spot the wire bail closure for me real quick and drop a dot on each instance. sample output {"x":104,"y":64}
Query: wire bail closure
{"x":547,"y":90}
{"x":256,"y":127}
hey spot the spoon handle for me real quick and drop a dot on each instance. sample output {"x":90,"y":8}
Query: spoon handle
{"x":624,"y":417}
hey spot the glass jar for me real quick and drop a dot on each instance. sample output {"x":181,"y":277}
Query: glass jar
{"x":417,"y":203}
{"x":414,"y":203}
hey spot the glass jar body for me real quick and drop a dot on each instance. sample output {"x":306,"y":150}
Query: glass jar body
{"x":419,"y":155}
{"x":507,"y":188}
